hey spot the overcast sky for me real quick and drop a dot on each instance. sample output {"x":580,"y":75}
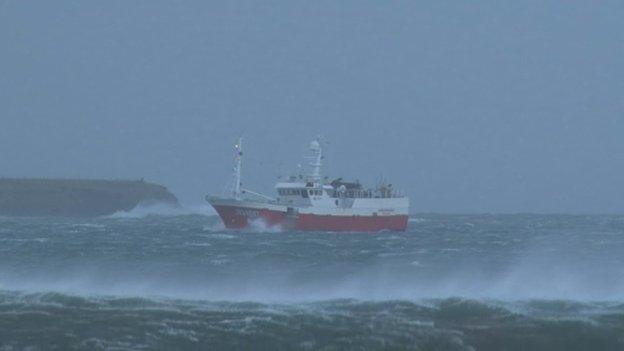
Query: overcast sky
{"x":480,"y":106}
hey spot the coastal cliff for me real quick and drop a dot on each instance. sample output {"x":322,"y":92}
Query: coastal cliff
{"x":77,"y":197}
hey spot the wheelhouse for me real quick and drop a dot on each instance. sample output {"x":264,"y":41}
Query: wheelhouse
{"x":300,"y":190}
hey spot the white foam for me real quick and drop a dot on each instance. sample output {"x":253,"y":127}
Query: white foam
{"x":259,"y":225}
{"x":162,"y":209}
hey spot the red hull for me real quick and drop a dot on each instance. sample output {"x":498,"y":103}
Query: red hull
{"x":240,"y":217}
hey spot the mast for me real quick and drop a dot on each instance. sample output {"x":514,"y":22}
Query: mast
{"x":316,"y":156}
{"x":238,"y":165}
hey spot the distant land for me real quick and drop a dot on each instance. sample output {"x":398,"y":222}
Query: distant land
{"x":77,"y":197}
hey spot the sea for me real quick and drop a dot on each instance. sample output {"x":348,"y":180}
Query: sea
{"x":180,"y":281}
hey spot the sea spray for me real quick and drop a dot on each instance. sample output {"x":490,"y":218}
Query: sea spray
{"x":162,"y":209}
{"x":182,"y":281}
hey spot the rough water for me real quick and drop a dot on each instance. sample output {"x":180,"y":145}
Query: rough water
{"x":451,"y":282}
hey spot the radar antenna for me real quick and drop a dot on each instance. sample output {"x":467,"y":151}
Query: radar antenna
{"x":316,"y":158}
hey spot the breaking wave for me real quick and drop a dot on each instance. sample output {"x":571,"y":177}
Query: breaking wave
{"x":105,"y":322}
{"x":163,"y":209}
{"x":183,"y":281}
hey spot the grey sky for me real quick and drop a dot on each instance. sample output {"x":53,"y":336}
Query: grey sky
{"x":497,"y":106}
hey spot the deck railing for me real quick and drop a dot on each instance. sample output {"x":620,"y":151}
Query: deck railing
{"x":371,"y":194}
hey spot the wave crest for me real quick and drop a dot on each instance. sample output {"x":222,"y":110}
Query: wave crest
{"x":163,"y":209}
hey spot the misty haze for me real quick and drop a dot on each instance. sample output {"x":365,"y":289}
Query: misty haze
{"x":319,"y":175}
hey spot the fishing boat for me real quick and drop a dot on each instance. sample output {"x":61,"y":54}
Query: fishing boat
{"x":312,"y":202}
